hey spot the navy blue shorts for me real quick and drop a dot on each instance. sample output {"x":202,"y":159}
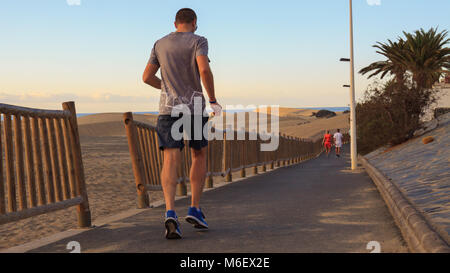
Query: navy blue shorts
{"x":166,"y":140}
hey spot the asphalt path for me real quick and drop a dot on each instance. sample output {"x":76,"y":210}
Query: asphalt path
{"x":315,"y":206}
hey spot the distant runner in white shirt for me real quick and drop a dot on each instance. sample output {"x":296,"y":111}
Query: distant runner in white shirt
{"x":338,"y":142}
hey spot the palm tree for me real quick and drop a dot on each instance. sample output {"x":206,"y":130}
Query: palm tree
{"x":394,"y":65}
{"x":423,"y":54}
{"x":427,"y":58}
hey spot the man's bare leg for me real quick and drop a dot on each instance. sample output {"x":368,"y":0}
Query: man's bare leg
{"x":169,"y":176}
{"x":197,"y":175}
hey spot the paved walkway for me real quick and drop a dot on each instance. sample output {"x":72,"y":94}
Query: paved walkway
{"x":317,"y":206}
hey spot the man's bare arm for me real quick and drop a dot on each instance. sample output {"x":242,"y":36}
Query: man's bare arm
{"x":206,"y":76}
{"x":150,"y":77}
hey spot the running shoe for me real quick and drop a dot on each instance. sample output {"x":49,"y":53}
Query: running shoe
{"x":197,"y":218}
{"x":172,"y":225}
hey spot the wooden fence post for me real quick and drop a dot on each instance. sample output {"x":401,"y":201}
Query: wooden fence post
{"x":46,"y":160}
{"x":288,"y":150}
{"x":54,"y":159}
{"x":2,"y":183}
{"x":62,"y":159}
{"x":271,"y":158}
{"x":209,"y":183}
{"x":285,"y":154}
{"x":9,"y":163}
{"x":136,"y":160}
{"x":294,"y":152}
{"x":227,"y":157}
{"x":279,"y":151}
{"x":84,"y":213}
{"x":31,"y":184}
{"x":38,"y":162}
{"x":19,"y":163}
{"x":263,"y":154}
{"x":255,"y":152}
{"x":243,"y":153}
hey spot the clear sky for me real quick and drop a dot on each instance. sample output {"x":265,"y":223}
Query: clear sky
{"x":263,"y":52}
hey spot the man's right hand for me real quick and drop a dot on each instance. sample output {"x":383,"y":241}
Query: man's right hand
{"x":217,"y":109}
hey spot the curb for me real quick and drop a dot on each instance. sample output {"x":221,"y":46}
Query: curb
{"x":418,"y":233}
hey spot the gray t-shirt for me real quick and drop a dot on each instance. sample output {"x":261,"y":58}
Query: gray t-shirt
{"x":180,"y":79}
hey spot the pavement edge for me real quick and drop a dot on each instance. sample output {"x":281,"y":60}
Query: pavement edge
{"x":417,"y":231}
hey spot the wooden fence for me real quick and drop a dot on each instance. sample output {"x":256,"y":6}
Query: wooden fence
{"x":42,"y":163}
{"x":223,"y":156}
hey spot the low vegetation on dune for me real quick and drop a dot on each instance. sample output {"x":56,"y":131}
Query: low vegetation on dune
{"x":324,"y":114}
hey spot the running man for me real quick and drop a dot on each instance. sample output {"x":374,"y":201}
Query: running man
{"x":338,"y":142}
{"x":182,"y":57}
{"x":327,"y":142}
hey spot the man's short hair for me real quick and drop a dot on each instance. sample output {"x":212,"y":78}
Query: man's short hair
{"x":185,"y":16}
{"x":338,"y":130}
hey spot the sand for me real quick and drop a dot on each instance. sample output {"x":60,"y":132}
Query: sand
{"x":293,"y":122}
{"x":109,"y":124}
{"x":312,"y":127}
{"x":289,"y":112}
{"x":109,"y":177}
{"x":301,"y":123}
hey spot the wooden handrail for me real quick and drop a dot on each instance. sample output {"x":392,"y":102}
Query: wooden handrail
{"x":16,"y":216}
{"x":44,"y":168}
{"x":32,"y":112}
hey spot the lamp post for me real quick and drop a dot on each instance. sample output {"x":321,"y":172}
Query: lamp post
{"x":353,"y":148}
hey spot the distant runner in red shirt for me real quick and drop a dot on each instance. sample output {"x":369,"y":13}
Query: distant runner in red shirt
{"x":327,"y":141}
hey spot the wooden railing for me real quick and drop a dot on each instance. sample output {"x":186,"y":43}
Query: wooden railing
{"x":223,"y":157}
{"x":43,"y":168}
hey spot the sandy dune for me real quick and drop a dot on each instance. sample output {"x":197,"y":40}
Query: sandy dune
{"x":312,"y":127}
{"x":290,"y":112}
{"x":108,"y":124}
{"x":300,"y":122}
{"x":293,"y":121}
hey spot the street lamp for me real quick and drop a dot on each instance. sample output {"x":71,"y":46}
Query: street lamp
{"x":353,"y":148}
